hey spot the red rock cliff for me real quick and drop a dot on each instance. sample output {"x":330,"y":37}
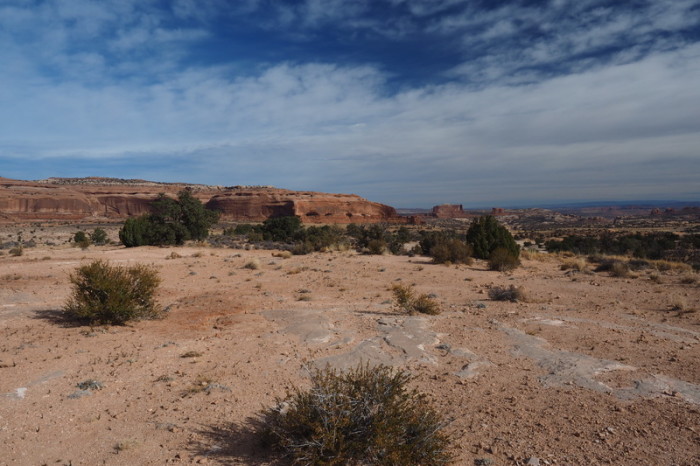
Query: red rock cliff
{"x":97,"y":199}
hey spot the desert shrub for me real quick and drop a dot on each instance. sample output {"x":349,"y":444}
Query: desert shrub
{"x":640,"y":245}
{"x":376,"y":246}
{"x":578,"y":264}
{"x":534,"y":255}
{"x":366,"y":415}
{"x":107,"y":294}
{"x":16,"y":251}
{"x":619,"y":269}
{"x":424,"y":304}
{"x":98,"y":237}
{"x":243,"y":229}
{"x":81,"y":240}
{"x":512,"y":293}
{"x":281,"y":228}
{"x":665,"y":266}
{"x":405,"y":300}
{"x":253,"y":264}
{"x":503,"y":260}
{"x":486,"y":235}
{"x":689,"y":279}
{"x":315,"y":238}
{"x":135,"y":231}
{"x":453,"y":251}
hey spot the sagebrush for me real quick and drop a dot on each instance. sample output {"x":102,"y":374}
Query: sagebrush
{"x":113,"y":294}
{"x":405,"y":300}
{"x":511,"y":293}
{"x":366,"y":415}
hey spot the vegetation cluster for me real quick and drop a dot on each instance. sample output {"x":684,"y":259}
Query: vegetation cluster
{"x":366,"y":415}
{"x":113,"y":294}
{"x":655,"y":245}
{"x":172,"y":221}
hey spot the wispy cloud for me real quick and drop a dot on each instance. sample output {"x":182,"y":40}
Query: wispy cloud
{"x":572,"y":100}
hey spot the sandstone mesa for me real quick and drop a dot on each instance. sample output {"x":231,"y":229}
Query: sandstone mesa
{"x":110,"y":199}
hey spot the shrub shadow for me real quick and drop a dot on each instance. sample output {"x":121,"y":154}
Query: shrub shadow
{"x":59,"y":317}
{"x":238,"y":442}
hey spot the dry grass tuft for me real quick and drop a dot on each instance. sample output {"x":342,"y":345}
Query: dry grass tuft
{"x":252,"y":264}
{"x":576,"y":263}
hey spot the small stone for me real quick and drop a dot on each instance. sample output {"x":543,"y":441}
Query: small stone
{"x":533,"y":461}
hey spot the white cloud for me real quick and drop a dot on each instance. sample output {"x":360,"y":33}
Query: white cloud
{"x":607,"y":129}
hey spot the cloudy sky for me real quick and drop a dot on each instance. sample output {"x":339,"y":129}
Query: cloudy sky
{"x":407,"y":102}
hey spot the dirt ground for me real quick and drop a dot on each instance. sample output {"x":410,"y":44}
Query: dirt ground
{"x":592,"y":369}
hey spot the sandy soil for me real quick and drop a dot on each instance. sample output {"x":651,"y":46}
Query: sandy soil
{"x":591,"y":370}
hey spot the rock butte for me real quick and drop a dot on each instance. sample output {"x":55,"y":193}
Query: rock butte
{"x":105,"y":199}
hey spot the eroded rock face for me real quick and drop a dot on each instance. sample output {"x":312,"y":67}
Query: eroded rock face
{"x":87,"y":199}
{"x":312,"y":207}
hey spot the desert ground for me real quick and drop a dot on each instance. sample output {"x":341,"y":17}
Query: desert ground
{"x":590,"y":369}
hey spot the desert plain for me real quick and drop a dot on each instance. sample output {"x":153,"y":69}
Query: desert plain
{"x":589,"y":369}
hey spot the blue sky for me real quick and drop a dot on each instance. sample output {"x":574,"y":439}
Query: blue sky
{"x":406,"y":102}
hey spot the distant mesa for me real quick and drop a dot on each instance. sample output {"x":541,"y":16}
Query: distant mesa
{"x":111,"y":199}
{"x":445,"y":211}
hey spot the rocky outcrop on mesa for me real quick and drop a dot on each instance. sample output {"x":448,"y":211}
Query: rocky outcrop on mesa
{"x":104,"y":199}
{"x":450,"y":211}
{"x":262,"y":203}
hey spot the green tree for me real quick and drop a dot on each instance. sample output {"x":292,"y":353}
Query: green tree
{"x":98,"y":236}
{"x":486,"y":235}
{"x":135,"y":231}
{"x":281,"y":228}
{"x":81,"y":240}
{"x":172,"y":221}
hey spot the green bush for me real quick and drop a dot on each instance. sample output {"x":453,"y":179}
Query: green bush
{"x":363,"y":416}
{"x":98,"y":236}
{"x":170,"y":222}
{"x":405,"y":300}
{"x":503,"y":260}
{"x":107,"y":294}
{"x":81,"y":240}
{"x":281,"y":228}
{"x":135,"y":231}
{"x":486,"y":235}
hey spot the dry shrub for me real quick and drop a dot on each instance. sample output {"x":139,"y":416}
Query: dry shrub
{"x":405,"y":300}
{"x":577,"y":263}
{"x":617,"y":267}
{"x":363,"y":416}
{"x":452,"y":251}
{"x":108,"y":294}
{"x":282,"y":254}
{"x":174,"y":255}
{"x":512,"y":293}
{"x":17,"y":251}
{"x":532,"y":255}
{"x":620,"y":270}
{"x":678,"y":304}
{"x":666,"y":266}
{"x":689,"y":279}
{"x":503,"y":260}
{"x":252,"y":264}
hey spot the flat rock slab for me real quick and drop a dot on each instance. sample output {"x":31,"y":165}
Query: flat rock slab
{"x":569,"y":368}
